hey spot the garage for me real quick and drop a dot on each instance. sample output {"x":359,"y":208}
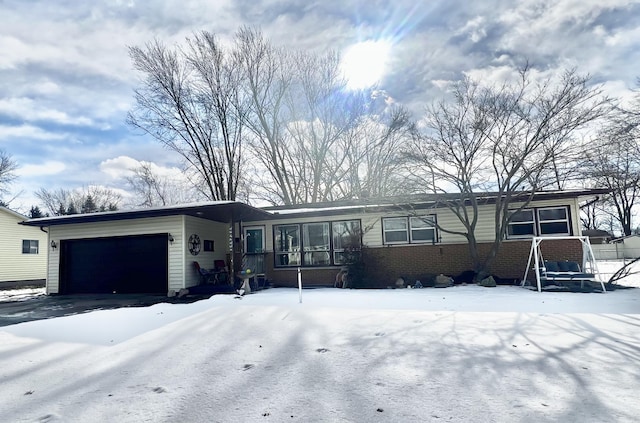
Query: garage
{"x":124,"y":265}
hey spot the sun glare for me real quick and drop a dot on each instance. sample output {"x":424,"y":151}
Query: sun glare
{"x":364,"y":64}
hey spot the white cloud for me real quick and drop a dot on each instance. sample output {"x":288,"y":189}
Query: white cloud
{"x":43,"y":169}
{"x":119,"y":167}
{"x":8,"y":132}
{"x":122,"y":166}
{"x":30,"y":111}
{"x":475,"y":29}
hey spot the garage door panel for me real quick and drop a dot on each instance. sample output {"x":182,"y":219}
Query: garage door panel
{"x":135,"y":264}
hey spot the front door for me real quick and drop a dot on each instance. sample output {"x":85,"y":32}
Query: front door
{"x":254,"y":247}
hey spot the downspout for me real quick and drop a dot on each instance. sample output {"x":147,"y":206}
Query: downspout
{"x":46,"y":279}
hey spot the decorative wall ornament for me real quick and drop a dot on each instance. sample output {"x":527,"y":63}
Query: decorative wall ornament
{"x":194,"y":244}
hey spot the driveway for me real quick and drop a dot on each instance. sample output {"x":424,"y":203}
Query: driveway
{"x":38,"y":307}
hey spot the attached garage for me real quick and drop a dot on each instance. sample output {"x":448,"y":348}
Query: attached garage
{"x":123,"y":265}
{"x":149,"y":251}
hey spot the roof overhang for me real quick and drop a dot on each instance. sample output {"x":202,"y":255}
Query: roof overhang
{"x":422,"y":202}
{"x":218,"y":211}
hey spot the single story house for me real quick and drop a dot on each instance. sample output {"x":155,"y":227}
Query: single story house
{"x":154,"y":250}
{"x":23,"y":250}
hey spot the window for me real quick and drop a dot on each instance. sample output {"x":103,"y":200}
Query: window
{"x":402,"y":230}
{"x":522,"y":224}
{"x":315,"y":244}
{"x":422,"y":229}
{"x":29,"y":246}
{"x":395,"y":230}
{"x":553,"y":221}
{"x":346,"y":236}
{"x":287,"y":245}
{"x":543,"y":221}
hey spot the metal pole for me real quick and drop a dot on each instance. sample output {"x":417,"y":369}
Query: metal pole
{"x":300,"y":284}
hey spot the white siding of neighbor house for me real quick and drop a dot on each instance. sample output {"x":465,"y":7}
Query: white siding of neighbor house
{"x":15,"y":266}
{"x":372,"y":223}
{"x":170,"y":224}
{"x":206,"y":230}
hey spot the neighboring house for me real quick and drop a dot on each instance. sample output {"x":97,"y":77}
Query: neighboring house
{"x":23,"y":250}
{"x":628,"y":247}
{"x":153,"y":250}
{"x":597,"y":236}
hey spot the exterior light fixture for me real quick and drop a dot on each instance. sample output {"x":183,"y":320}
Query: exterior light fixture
{"x":170,"y":237}
{"x":54,"y":245}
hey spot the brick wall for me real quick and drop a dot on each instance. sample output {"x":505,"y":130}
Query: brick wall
{"x":385,"y":264}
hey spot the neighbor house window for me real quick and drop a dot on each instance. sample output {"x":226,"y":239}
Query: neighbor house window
{"x":537,"y":222}
{"x":403,"y":230}
{"x":553,"y":221}
{"x":29,"y":246}
{"x":315,"y":244}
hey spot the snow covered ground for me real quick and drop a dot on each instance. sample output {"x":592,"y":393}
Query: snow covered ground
{"x":465,"y":353}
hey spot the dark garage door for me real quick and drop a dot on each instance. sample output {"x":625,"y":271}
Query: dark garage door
{"x":125,"y":265}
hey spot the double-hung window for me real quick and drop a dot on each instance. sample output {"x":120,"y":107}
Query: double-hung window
{"x":30,"y":246}
{"x":541,"y":221}
{"x":553,"y":221}
{"x":522,"y":224}
{"x":423,"y":229}
{"x":316,"y":244}
{"x":404,"y":230}
{"x":395,"y":230}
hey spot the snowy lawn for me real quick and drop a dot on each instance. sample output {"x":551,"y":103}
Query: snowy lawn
{"x":465,"y":353}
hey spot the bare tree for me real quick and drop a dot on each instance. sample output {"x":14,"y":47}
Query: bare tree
{"x":154,"y":190}
{"x":85,"y":200}
{"x":267,"y":77}
{"x":502,"y":140}
{"x":189,"y":102}
{"x":373,"y":153}
{"x":8,"y":166}
{"x":613,"y":162}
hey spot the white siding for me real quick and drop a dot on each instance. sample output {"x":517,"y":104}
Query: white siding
{"x":155,"y":225}
{"x":372,"y":222}
{"x":15,"y":266}
{"x":206,"y":230}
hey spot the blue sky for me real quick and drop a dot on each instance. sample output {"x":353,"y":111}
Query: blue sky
{"x":66,"y":80}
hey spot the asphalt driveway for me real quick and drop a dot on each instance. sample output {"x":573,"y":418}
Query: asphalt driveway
{"x":49,"y":306}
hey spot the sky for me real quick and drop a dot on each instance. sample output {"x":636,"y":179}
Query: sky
{"x":463,"y":353}
{"x":66,"y":80}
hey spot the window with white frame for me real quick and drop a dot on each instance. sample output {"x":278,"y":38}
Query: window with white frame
{"x":321,"y":243}
{"x":522,"y":224}
{"x":395,"y":230}
{"x":540,"y":221}
{"x":414,"y":229}
{"x":422,"y":229}
{"x":553,"y":221}
{"x":30,"y":246}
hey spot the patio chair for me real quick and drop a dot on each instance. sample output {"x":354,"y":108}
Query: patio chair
{"x":220,"y":271}
{"x":206,"y":276}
